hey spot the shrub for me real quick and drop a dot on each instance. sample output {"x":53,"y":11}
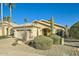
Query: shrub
{"x":56,"y":39}
{"x":74,"y":30}
{"x":42,"y":42}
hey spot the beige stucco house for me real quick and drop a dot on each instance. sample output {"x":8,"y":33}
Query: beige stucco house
{"x":45,"y":27}
{"x":41,"y":27}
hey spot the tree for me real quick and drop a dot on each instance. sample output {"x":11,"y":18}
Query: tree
{"x":6,"y":18}
{"x":74,"y":30}
{"x":25,"y":20}
{"x":10,"y":5}
{"x":14,"y":22}
{"x":25,"y":32}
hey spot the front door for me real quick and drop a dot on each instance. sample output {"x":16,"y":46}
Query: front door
{"x":44,"y":32}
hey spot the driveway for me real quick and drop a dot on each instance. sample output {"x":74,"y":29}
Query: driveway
{"x":72,"y":42}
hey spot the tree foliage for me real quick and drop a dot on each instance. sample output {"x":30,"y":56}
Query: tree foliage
{"x":74,"y":30}
{"x":6,"y":18}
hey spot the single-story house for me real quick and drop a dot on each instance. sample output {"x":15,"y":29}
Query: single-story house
{"x":41,"y":27}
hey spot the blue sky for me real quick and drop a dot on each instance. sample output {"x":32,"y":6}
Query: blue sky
{"x":63,"y":13}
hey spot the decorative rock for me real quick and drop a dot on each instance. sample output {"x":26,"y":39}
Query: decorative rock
{"x":21,"y":43}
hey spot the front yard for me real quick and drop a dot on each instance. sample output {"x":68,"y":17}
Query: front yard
{"x":69,"y":49}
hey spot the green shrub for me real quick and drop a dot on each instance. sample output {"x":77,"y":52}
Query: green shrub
{"x":42,"y":42}
{"x":56,"y":39}
{"x":74,"y":30}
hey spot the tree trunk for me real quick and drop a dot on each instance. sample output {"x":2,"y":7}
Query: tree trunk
{"x":9,"y":20}
{"x":10,"y":13}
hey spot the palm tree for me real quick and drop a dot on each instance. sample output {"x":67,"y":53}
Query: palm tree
{"x":52,"y":25}
{"x":25,"y":33}
{"x":14,"y":22}
{"x":25,"y":20}
{"x":6,"y":18}
{"x":10,"y":5}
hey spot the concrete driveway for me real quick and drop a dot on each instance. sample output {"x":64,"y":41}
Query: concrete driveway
{"x":72,"y":42}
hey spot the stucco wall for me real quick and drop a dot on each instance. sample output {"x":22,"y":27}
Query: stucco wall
{"x":0,"y":31}
{"x":44,"y":26}
{"x":21,"y":34}
{"x":36,"y":31}
{"x":41,"y":26}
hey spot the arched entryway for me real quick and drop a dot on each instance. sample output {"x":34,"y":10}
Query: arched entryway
{"x":46,"y":31}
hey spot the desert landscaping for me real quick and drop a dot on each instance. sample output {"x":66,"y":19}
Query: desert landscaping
{"x":38,"y":37}
{"x":70,"y":48}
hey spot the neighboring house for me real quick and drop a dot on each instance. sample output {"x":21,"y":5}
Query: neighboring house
{"x":5,"y":24}
{"x":41,"y":27}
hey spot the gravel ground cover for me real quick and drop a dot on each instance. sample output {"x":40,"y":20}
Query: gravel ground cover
{"x":6,"y":49}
